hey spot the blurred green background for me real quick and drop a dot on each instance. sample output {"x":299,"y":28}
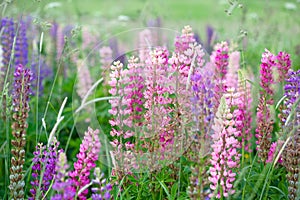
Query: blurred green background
{"x":272,"y":24}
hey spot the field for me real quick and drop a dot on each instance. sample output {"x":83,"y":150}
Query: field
{"x":140,"y":99}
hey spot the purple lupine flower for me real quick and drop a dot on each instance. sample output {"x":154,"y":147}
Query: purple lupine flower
{"x":210,"y":38}
{"x":283,"y":65}
{"x":62,"y":185}
{"x":45,"y":72}
{"x":20,"y":95}
{"x":117,"y":53}
{"x":44,"y":162}
{"x":7,"y":39}
{"x":225,"y":157}
{"x":154,"y":22}
{"x":101,"y":190}
{"x":290,"y":155}
{"x":202,"y":101}
{"x":21,"y":46}
{"x":87,"y":156}
{"x":292,"y":92}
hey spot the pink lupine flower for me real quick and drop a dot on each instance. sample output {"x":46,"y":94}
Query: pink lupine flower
{"x":271,"y":152}
{"x":264,"y":122}
{"x":219,"y":59}
{"x":283,"y":65}
{"x":183,"y":41}
{"x":243,"y":113}
{"x":233,"y":67}
{"x":158,"y":84}
{"x":87,"y":156}
{"x":266,"y":73}
{"x":145,"y":44}
{"x":225,"y":158}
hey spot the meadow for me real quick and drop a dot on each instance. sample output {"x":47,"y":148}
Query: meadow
{"x":148,"y":99}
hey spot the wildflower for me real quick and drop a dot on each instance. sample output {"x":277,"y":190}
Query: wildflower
{"x":87,"y":156}
{"x":62,"y":185}
{"x":101,"y":190}
{"x":283,"y":65}
{"x":225,"y":158}
{"x":21,"y":46}
{"x":44,"y":162}
{"x":21,"y":92}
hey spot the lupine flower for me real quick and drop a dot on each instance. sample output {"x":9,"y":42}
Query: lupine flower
{"x":20,"y":95}
{"x":21,"y":46}
{"x":202,"y":101}
{"x":158,"y":84}
{"x":41,"y":69}
{"x":264,"y":129}
{"x":117,"y":52}
{"x":62,"y":184}
{"x":242,"y":112}
{"x":84,"y":78}
{"x":225,"y":157}
{"x":210,"y":38}
{"x":283,"y":65}
{"x":266,"y":74}
{"x":271,"y":152}
{"x":145,"y":44}
{"x":101,"y":190}
{"x":264,"y":122}
{"x":106,"y":59}
{"x":183,"y":41}
{"x":290,"y":155}
{"x":233,"y":67}
{"x":44,"y":162}
{"x":7,"y":40}
{"x":88,"y":155}
{"x":219,"y":58}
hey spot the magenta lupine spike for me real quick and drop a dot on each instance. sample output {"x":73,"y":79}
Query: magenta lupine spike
{"x":283,"y":65}
{"x":20,"y":95}
{"x":271,"y":152}
{"x":21,"y":46}
{"x":225,"y":157}
{"x":62,"y":184}
{"x":87,"y":156}
{"x":219,"y":58}
{"x":266,"y":74}
{"x":44,"y":162}
{"x":263,"y":117}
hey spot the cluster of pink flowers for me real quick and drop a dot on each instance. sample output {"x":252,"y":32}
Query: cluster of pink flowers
{"x":88,"y":155}
{"x":225,"y":157}
{"x":219,"y":58}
